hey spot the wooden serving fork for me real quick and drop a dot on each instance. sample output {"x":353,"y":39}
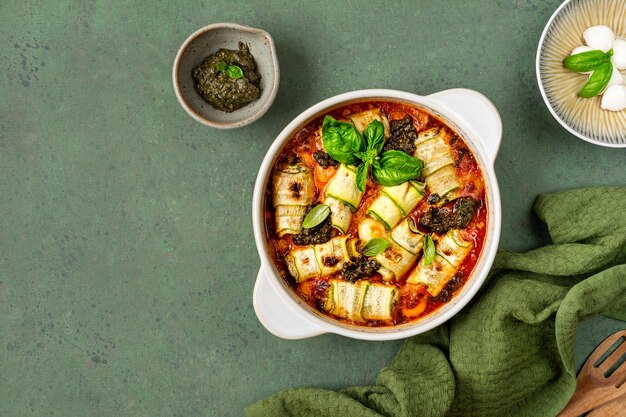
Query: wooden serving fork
{"x":601,"y":380}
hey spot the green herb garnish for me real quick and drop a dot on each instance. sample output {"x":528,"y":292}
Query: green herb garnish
{"x":596,"y":61}
{"x":598,"y":81}
{"x":345,"y":144}
{"x":317,"y":215}
{"x":375,"y":246}
{"x":341,"y":140}
{"x":429,"y":250}
{"x":233,"y":71}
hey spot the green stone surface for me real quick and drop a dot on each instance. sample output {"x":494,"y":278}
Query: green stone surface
{"x":127,"y":258}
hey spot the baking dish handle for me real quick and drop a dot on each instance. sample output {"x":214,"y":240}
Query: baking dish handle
{"x":276,"y":315}
{"x":478,"y":112}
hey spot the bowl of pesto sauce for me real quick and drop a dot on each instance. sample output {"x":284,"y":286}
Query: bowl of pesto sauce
{"x":226,"y":75}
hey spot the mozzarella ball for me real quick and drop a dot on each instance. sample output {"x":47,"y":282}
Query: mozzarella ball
{"x":614,"y":98}
{"x":370,"y":229}
{"x":619,"y":54}
{"x":599,"y":37}
{"x":616,"y":78}
{"x":581,"y":49}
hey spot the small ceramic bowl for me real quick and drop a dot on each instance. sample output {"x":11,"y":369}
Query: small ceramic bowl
{"x":208,"y":40}
{"x":559,"y":86}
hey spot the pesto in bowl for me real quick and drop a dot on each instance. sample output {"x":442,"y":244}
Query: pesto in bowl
{"x":228,"y":79}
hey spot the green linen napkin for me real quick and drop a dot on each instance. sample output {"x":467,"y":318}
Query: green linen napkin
{"x":510,"y":352}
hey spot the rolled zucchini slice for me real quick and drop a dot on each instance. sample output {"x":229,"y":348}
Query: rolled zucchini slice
{"x":293,"y":186}
{"x":427,"y":134}
{"x":293,"y":189}
{"x":289,"y":219}
{"x":451,"y":251}
{"x":443,"y":181}
{"x":405,"y":237}
{"x":302,"y":264}
{"x":432,"y":149}
{"x":342,"y":186}
{"x":437,"y":164}
{"x":395,"y":262}
{"x":363,"y":119}
{"x":379,"y":302}
{"x":341,"y":214}
{"x":345,"y":300}
{"x":385,"y":211}
{"x":332,"y":255}
{"x":406,"y":195}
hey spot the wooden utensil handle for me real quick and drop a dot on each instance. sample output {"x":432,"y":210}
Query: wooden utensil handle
{"x":614,"y":408}
{"x":589,"y":398}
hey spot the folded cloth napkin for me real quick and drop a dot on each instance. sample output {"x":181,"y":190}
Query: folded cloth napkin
{"x":510,"y":352}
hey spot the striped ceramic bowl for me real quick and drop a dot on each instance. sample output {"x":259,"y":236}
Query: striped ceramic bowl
{"x":559,"y":86}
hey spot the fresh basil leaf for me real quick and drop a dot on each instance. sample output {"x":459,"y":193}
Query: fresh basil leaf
{"x":429,"y":250}
{"x":412,"y":226}
{"x":397,"y":167}
{"x":317,"y":215}
{"x":341,"y":140}
{"x":375,"y":246}
{"x":374,"y":135}
{"x":585,"y":61}
{"x":221,"y":66}
{"x":361,"y":176}
{"x":598,"y":81}
{"x":233,"y":71}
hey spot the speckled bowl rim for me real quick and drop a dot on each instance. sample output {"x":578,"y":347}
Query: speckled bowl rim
{"x":543,"y":92}
{"x":275,"y":73}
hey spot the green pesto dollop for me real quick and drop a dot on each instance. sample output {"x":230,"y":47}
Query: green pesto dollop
{"x":222,"y":91}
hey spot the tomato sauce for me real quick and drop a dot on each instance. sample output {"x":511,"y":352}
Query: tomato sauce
{"x":411,"y":297}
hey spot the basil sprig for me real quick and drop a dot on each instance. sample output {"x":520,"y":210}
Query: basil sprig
{"x":429,"y":250}
{"x":596,"y":61}
{"x":317,"y":215}
{"x":345,"y":144}
{"x":341,"y":140}
{"x":375,"y":246}
{"x":233,"y":71}
{"x":598,"y":81}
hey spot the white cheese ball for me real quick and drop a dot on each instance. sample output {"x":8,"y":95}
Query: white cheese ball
{"x":581,"y":49}
{"x":599,"y":37}
{"x":616,"y":78}
{"x":614,"y":98}
{"x":619,"y":54}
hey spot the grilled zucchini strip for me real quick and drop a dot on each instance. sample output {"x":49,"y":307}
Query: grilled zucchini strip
{"x":340,"y":214}
{"x":363,"y":119}
{"x":405,"y":237}
{"x":332,"y":255}
{"x":451,"y":251}
{"x":360,"y":301}
{"x":406,"y":195}
{"x":320,"y":260}
{"x":432,"y":148}
{"x":379,"y":302}
{"x":293,"y":189}
{"x":385,"y":211}
{"x":302,"y":264}
{"x":342,"y":186}
{"x":395,"y":262}
{"x":394,"y":203}
{"x":345,"y":299}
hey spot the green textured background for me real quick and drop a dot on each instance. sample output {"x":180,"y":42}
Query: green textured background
{"x":127,"y":259}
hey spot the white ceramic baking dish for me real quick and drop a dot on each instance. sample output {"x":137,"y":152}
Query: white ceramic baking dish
{"x":468,"y":112}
